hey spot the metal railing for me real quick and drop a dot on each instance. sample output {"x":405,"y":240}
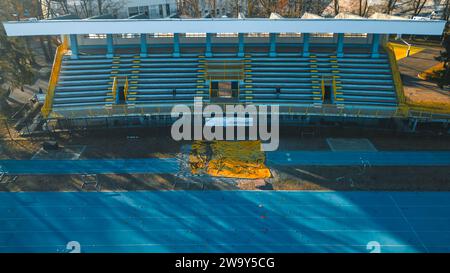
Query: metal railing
{"x":54,"y":76}
{"x":332,"y":80}
{"x":395,"y":74}
{"x":114,"y":90}
{"x":125,"y":89}
{"x":224,"y":70}
{"x":165,"y":109}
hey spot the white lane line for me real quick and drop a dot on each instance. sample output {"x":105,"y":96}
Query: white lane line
{"x":409,"y":224}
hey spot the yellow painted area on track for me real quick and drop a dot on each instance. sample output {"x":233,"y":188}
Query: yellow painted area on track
{"x":237,"y":159}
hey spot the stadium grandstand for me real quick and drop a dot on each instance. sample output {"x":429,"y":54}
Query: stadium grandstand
{"x":133,"y":71}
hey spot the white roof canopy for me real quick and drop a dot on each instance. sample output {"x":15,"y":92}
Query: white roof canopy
{"x":223,"y":25}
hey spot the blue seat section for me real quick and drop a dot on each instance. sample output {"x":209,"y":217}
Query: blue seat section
{"x":365,"y":81}
{"x":154,"y":80}
{"x":84,"y":82}
{"x":168,"y":80}
{"x":360,"y":79}
{"x":87,"y":81}
{"x":282,"y":79}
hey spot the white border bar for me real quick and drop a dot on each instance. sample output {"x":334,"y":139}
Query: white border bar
{"x":119,"y":26}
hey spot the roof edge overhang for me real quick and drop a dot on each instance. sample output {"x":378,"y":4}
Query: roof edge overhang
{"x":223,"y":25}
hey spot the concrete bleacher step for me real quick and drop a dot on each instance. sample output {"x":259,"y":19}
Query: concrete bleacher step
{"x":77,"y":99}
{"x":80,"y":93}
{"x":83,"y":87}
{"x":387,"y":93}
{"x":366,"y":86}
{"x":363,"y":74}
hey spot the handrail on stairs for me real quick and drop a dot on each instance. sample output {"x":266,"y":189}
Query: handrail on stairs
{"x":114,"y":89}
{"x":54,"y":76}
{"x":395,"y":74}
{"x":125,"y":89}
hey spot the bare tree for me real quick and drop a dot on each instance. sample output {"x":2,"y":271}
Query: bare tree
{"x":336,"y":7}
{"x":108,"y":6}
{"x":64,"y":6}
{"x":235,"y":7}
{"x":100,"y":6}
{"x":390,"y":5}
{"x":86,"y":8}
{"x":363,"y":8}
{"x":213,"y":7}
{"x":189,"y":7}
{"x":281,"y":6}
{"x":16,"y":63}
{"x":417,"y":6}
{"x":251,"y":6}
{"x":295,"y":8}
{"x":446,"y":11}
{"x":268,"y":6}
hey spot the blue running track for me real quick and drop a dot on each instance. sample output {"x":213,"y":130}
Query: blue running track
{"x":225,"y":221}
{"x":171,"y":165}
{"x":97,"y":166}
{"x":328,"y":158}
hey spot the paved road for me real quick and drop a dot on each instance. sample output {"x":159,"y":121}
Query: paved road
{"x":417,"y":90}
{"x":225,"y":221}
{"x":98,"y":166}
{"x":328,"y":158}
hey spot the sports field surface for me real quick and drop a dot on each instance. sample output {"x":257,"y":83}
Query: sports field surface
{"x":225,"y":221}
{"x":171,"y":165}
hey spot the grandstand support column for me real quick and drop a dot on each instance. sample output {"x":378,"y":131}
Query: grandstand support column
{"x":241,"y":45}
{"x":176,"y":45}
{"x":375,"y":45}
{"x":208,"y":51}
{"x":74,"y":46}
{"x":273,"y":45}
{"x":305,"y":44}
{"x":340,"y":45}
{"x":109,"y":46}
{"x":143,"y":45}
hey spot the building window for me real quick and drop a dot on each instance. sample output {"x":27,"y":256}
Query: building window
{"x":128,"y":35}
{"x":355,"y":35}
{"x":230,"y":34}
{"x":194,"y":34}
{"x":133,"y":11}
{"x":95,"y":36}
{"x":322,"y":35}
{"x":167,"y":9}
{"x":162,"y":35}
{"x":161,"y":12}
{"x":290,"y":34}
{"x":154,"y":11}
{"x":144,"y":10}
{"x":254,"y":34}
{"x":138,"y":10}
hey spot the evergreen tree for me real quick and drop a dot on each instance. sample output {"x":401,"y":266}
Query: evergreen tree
{"x":16,"y":59}
{"x":444,"y":57}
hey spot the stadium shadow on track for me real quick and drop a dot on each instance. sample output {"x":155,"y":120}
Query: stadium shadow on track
{"x":213,"y":221}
